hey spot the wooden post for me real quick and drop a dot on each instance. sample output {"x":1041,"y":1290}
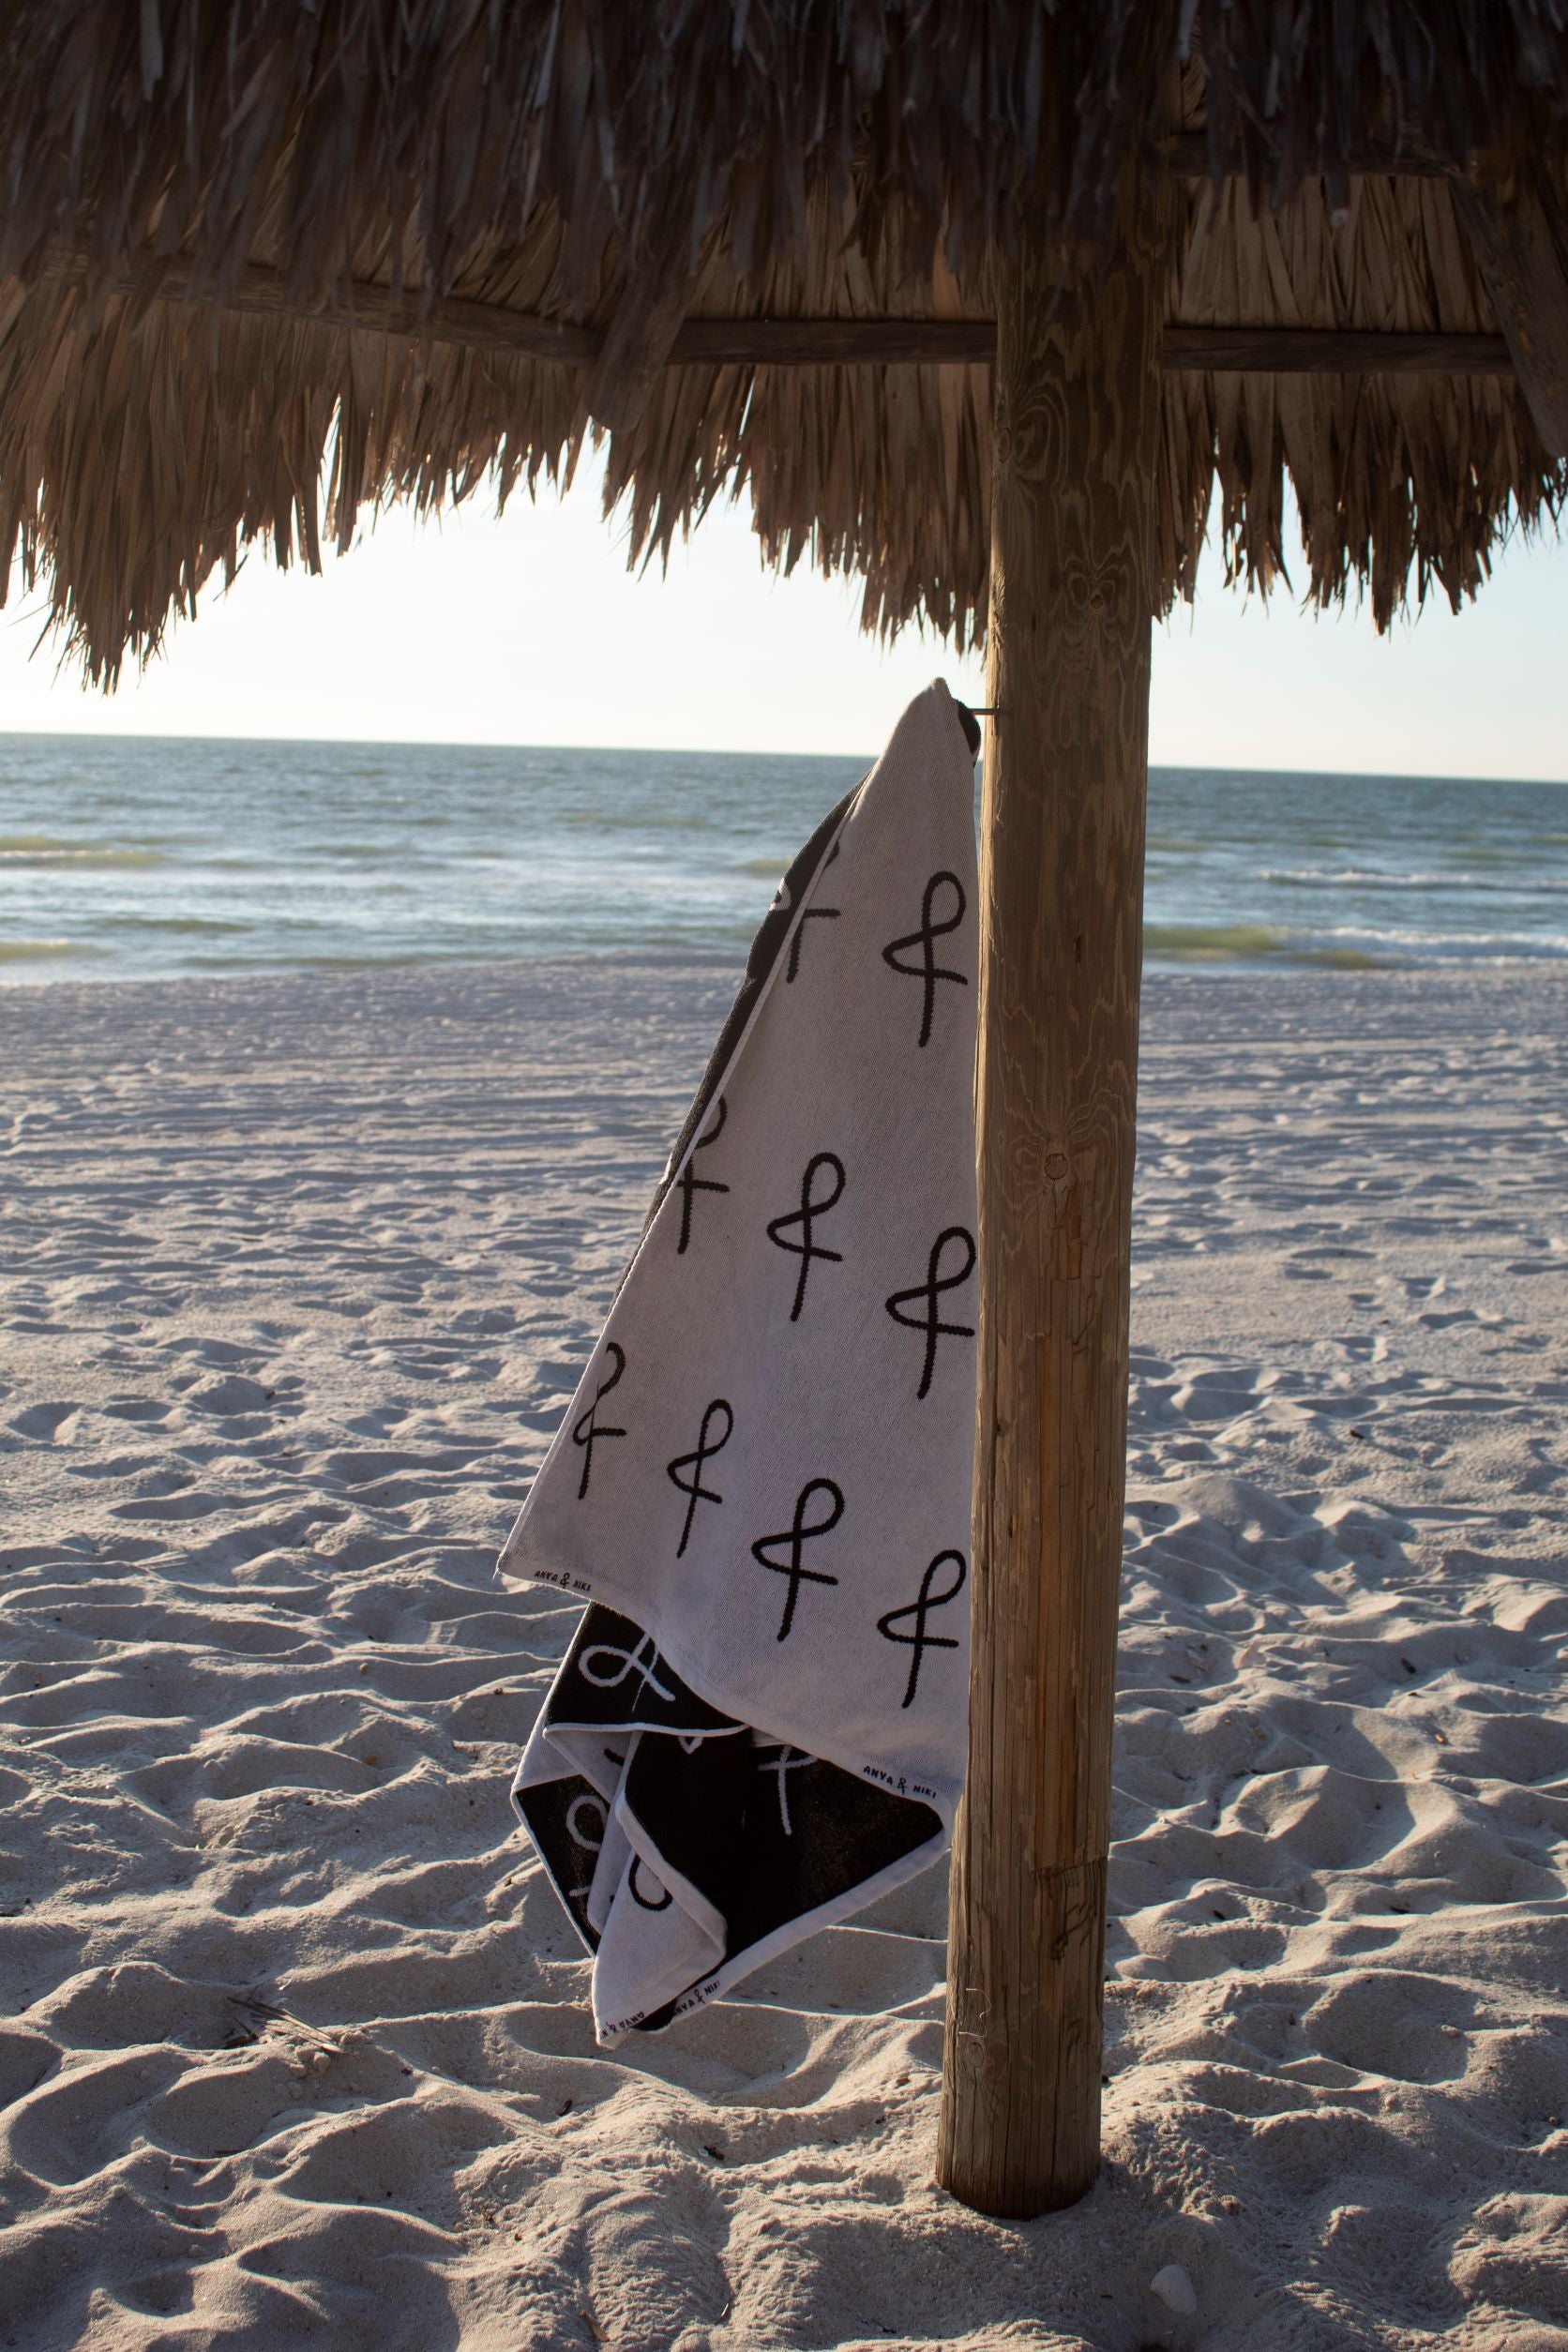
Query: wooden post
{"x":1076,"y":400}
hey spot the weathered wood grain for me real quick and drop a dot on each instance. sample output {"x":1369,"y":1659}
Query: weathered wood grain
{"x":1073,"y":585}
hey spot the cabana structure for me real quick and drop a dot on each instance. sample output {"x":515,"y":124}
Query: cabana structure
{"x":992,"y":303}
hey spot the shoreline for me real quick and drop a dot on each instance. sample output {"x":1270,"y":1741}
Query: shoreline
{"x":132,"y":858}
{"x":1284,"y":971}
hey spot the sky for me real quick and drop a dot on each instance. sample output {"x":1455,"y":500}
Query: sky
{"x":527,"y":628}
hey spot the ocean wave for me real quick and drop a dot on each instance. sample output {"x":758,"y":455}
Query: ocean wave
{"x":1252,"y":942}
{"x":260,"y":857}
{"x":36,"y":848}
{"x":1213,"y":942}
{"x":27,"y":951}
{"x":1452,"y":946}
{"x":178,"y":924}
{"x":1342,"y":948}
{"x":1521,"y":882}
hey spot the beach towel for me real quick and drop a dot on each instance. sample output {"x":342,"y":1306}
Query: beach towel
{"x":761,"y":1487}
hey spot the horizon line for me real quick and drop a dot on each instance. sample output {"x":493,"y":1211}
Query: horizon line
{"x":691,"y":751}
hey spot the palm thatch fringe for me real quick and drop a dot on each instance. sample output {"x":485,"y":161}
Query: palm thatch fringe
{"x":853,"y":158}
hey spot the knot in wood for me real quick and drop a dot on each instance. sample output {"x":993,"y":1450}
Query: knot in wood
{"x":1096,"y":597}
{"x":1032,"y":437}
{"x":1035,"y":1162}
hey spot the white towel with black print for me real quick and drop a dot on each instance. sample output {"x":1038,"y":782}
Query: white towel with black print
{"x":761,"y":1487}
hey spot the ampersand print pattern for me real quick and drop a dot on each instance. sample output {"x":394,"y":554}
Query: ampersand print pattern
{"x":761,"y":1487}
{"x":918,"y":1610}
{"x":947,"y":889}
{"x":957,"y":1246}
{"x":589,"y":1431}
{"x":822,"y":1188}
{"x":809,"y":914}
{"x":607,"y":1665}
{"x":719,"y":1426}
{"x":689,"y":1181}
{"x":638,"y":1871}
{"x":801,"y":1532}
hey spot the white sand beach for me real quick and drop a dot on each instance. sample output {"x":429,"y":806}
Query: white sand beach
{"x":297,"y":1276}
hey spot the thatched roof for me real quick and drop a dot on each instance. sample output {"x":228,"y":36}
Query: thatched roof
{"x":245,"y":166}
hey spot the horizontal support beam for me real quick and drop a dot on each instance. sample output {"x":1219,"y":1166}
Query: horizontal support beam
{"x":1187,"y":153}
{"x":484,"y":326}
{"x":367,"y":309}
{"x":834,"y":343}
{"x":1334,"y":350}
{"x":1187,"y":350}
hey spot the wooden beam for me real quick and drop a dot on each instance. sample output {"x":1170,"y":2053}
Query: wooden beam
{"x":784,"y":342}
{"x":1317,"y":350}
{"x":1520,"y":242}
{"x":1188,"y":349}
{"x":364,"y":307}
{"x":834,"y":343}
{"x":1075,"y":393}
{"x":1187,"y":153}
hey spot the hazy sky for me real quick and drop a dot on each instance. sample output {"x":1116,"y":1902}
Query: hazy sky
{"x":528,"y":629}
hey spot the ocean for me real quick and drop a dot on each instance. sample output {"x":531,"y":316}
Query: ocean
{"x":134,"y":858}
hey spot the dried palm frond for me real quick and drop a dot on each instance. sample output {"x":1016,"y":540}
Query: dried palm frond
{"x":793,"y":157}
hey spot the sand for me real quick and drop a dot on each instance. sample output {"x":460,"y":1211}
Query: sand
{"x":297,"y":1276}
